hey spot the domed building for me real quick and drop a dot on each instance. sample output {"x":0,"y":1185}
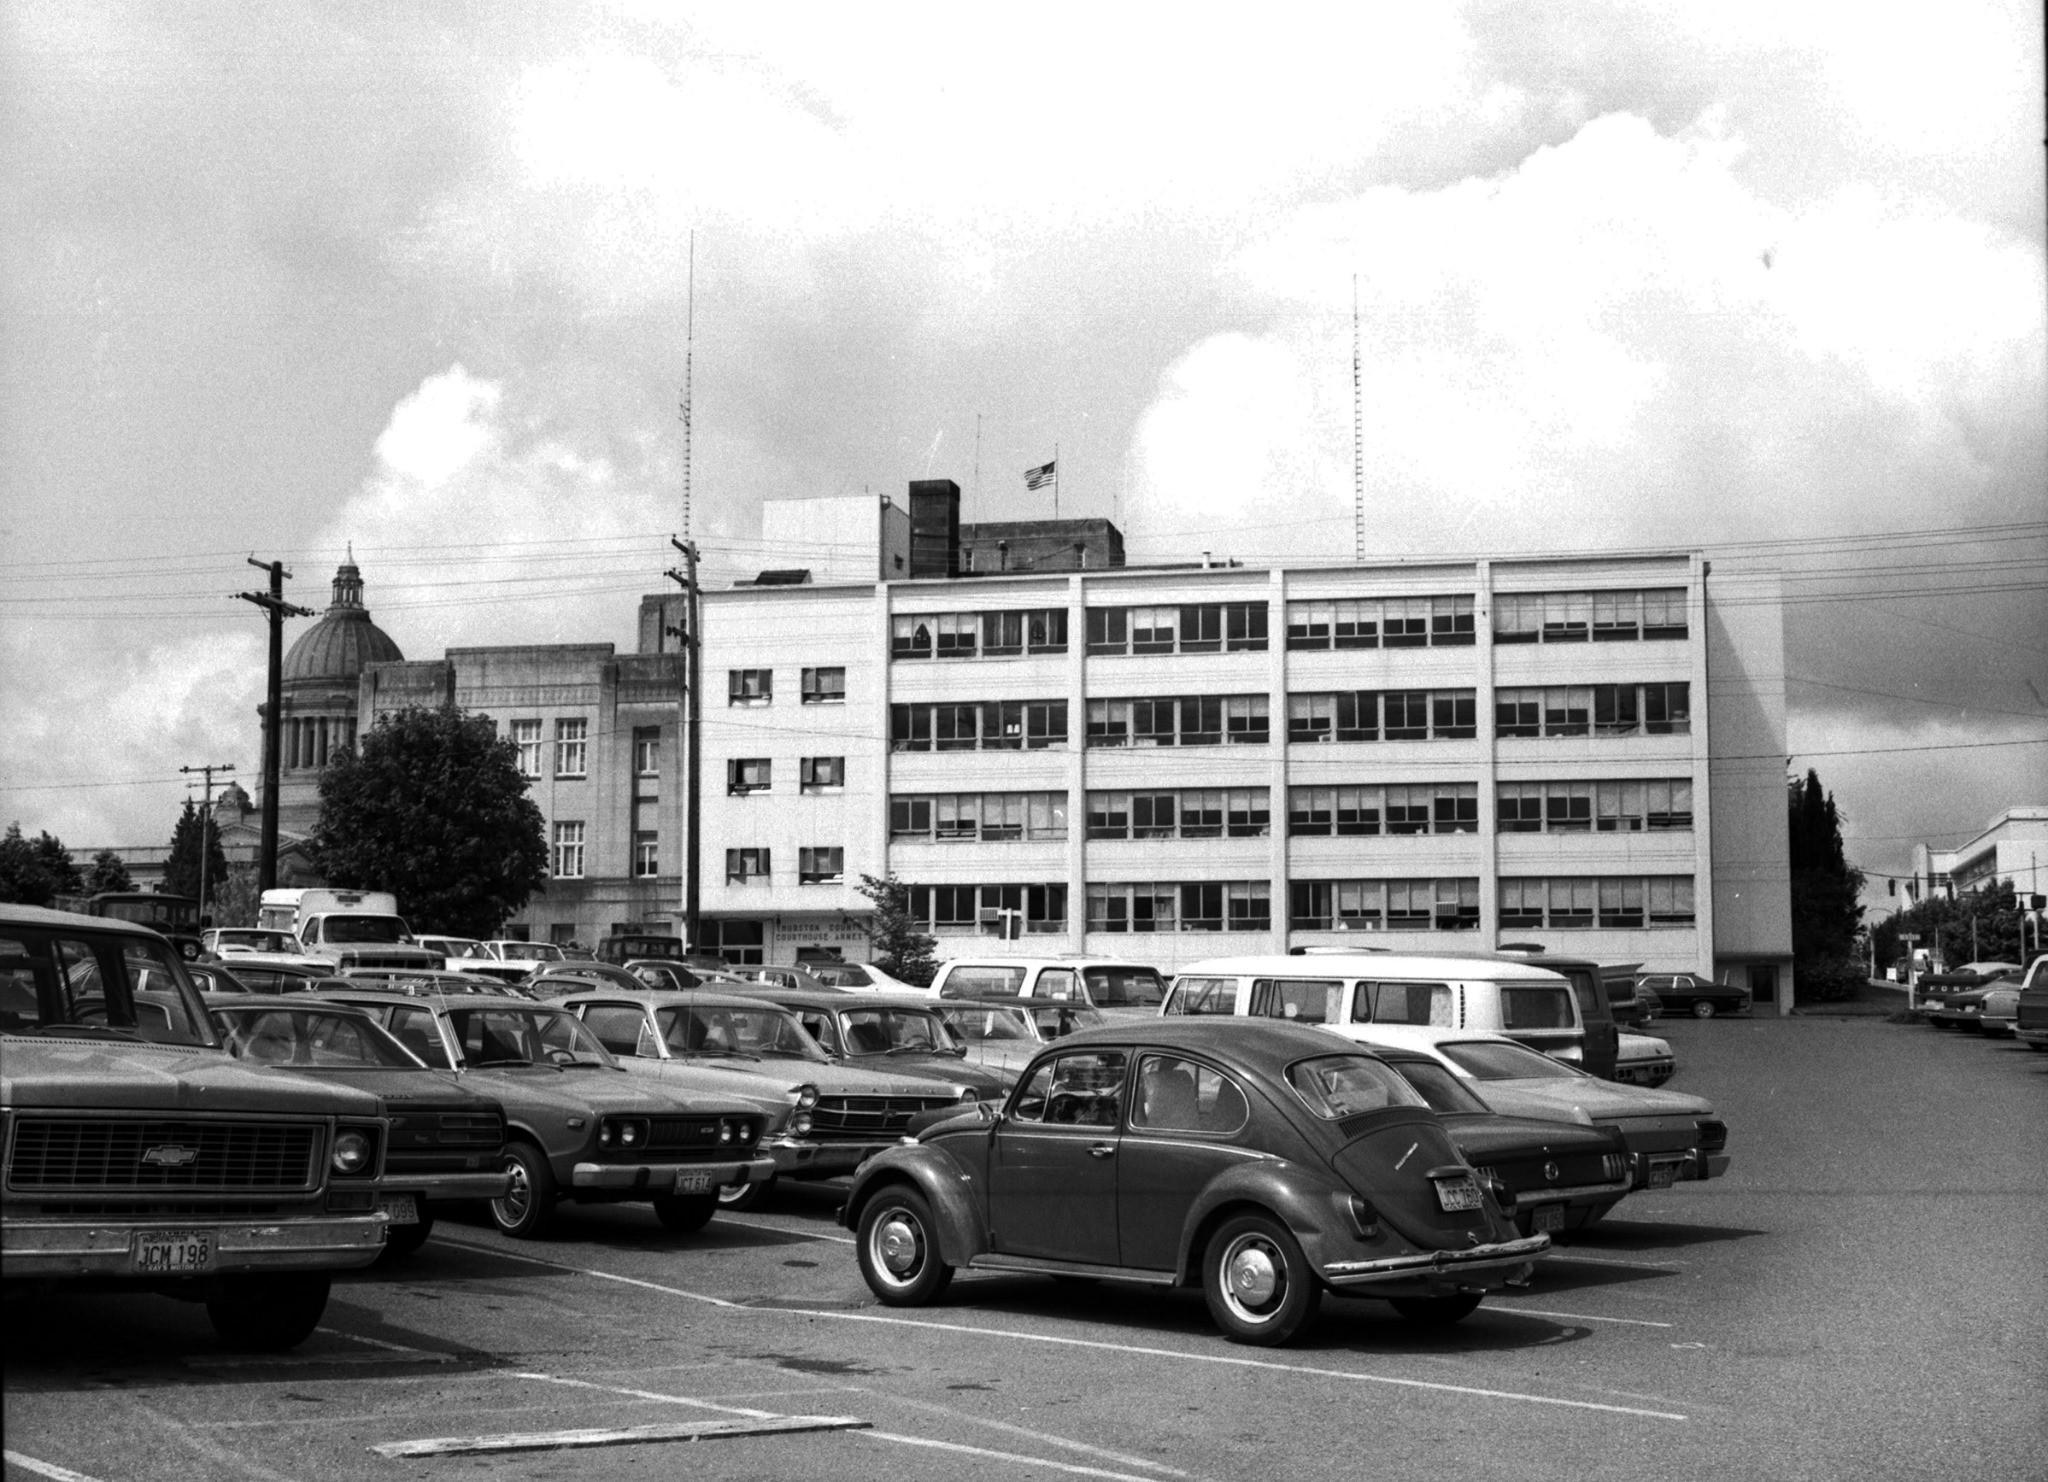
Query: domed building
{"x":322,"y":679}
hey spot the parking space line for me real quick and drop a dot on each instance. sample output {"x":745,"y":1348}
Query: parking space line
{"x":1073,"y":1468}
{"x":1018,"y":1430}
{"x":48,"y":1469}
{"x":647,"y":1394}
{"x":633,"y":1435}
{"x":652,"y":1286}
{"x":728,"y":1219}
{"x":370,"y":1342}
{"x":1634,"y":1322}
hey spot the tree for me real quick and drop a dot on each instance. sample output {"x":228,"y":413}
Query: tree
{"x":430,"y":804}
{"x":195,"y":829}
{"x":898,"y":948}
{"x":34,"y":872}
{"x":1825,"y":913}
{"x":236,"y":898}
{"x":1981,"y":925}
{"x":108,"y":872}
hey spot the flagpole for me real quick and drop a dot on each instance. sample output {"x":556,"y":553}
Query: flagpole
{"x":1055,"y":481}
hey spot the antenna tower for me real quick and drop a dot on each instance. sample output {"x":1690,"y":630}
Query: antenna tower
{"x":1357,"y":436}
{"x":689,"y":353}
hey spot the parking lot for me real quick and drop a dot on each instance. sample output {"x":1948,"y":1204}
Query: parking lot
{"x":1862,"y":1295}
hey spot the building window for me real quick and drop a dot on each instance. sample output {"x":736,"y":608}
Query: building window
{"x":1194,"y":628}
{"x":1206,"y":813}
{"x":1157,"y":906}
{"x":568,"y":851}
{"x":740,"y":942}
{"x":526,"y":736}
{"x":1185,"y":720}
{"x":743,"y":866}
{"x":1594,"y":710}
{"x":986,"y":817}
{"x":745,"y":774}
{"x":824,"y":686}
{"x":1618,"y":902}
{"x":1006,"y":911}
{"x":1602,"y":617}
{"x":821,"y":774}
{"x":1373,"y":715}
{"x":646,"y":855}
{"x":820,"y":866}
{"x":1383,"y":905}
{"x":1609,"y":807}
{"x":571,"y":748}
{"x":994,"y":725}
{"x":963,"y":635}
{"x":749,"y":686}
{"x":647,"y":751}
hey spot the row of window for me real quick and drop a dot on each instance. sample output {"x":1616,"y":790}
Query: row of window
{"x":824,"y":865}
{"x":568,"y":860}
{"x":814,"y":774}
{"x":572,"y":749}
{"x":822,"y":686}
{"x":1206,"y":905}
{"x":1558,"y":902}
{"x":1193,"y":628}
{"x":1594,"y":710}
{"x":1381,"y":622}
{"x":1625,"y":807}
{"x":986,"y":817}
{"x":965,"y":635}
{"x":1579,"y":617}
{"x":1596,"y":900}
{"x":1373,"y":715}
{"x":989,"y":725}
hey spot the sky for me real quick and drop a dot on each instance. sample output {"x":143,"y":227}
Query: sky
{"x":1762,"y":279}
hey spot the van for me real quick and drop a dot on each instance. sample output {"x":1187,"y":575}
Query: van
{"x":1340,"y":990}
{"x":1120,"y":989}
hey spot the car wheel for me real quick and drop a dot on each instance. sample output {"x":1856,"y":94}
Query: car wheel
{"x":1437,"y":1312}
{"x":268,"y":1314}
{"x":528,"y":1205}
{"x":685,"y":1214}
{"x":402,"y":1240}
{"x":899,"y":1249}
{"x":736,"y":1197}
{"x":1258,"y":1283}
{"x":1704,"y":1009}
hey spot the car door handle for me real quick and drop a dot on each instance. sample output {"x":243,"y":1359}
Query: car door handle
{"x":1102,"y":1150}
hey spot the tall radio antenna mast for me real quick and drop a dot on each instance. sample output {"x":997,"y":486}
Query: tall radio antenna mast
{"x":689,"y":352}
{"x":1357,"y":437}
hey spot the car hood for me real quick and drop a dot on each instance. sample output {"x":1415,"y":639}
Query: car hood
{"x":950,"y":1069}
{"x":1481,"y":1137}
{"x":37,"y":1072}
{"x":399,"y":1087}
{"x":770,"y":1092}
{"x":832,"y":1078}
{"x":524,"y":1089}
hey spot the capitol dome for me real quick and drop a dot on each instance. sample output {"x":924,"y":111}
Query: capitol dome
{"x":335,"y":649}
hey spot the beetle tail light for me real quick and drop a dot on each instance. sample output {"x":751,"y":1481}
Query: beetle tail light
{"x":1365,"y":1219}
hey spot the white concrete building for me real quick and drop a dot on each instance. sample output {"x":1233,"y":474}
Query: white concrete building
{"x":1168,"y":763}
{"x":2012,"y":848}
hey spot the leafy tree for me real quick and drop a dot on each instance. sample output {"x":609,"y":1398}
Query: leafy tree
{"x":34,"y":872}
{"x":1948,"y":926}
{"x":236,"y":898}
{"x":430,"y":805}
{"x":195,"y":830}
{"x":108,"y":872}
{"x":898,"y":947}
{"x":1825,"y":913}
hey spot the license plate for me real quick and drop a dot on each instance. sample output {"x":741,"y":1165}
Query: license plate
{"x":1457,"y":1194}
{"x":1663,"y":1175}
{"x":1547,"y":1218}
{"x":693,"y":1181}
{"x":171,"y":1252}
{"x":399,"y":1209}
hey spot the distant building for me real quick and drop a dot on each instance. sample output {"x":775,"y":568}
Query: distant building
{"x":323,"y":671}
{"x":2012,"y":848}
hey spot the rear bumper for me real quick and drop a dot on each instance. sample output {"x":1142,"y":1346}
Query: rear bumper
{"x":650,"y":1179}
{"x":64,"y":1248}
{"x":1581,"y":1196}
{"x":1687,"y":1167}
{"x":1485,"y":1265}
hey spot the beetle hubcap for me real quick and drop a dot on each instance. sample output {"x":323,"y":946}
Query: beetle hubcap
{"x":897,"y":1243}
{"x":1252,"y":1276}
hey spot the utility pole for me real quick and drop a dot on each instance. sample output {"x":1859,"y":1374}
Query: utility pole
{"x":693,"y":732}
{"x":273,"y":603}
{"x":206,"y":827}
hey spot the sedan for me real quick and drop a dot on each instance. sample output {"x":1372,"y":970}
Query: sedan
{"x":1005,"y":1033}
{"x":1691,"y":993}
{"x":901,"y":1035}
{"x":1261,"y":1163}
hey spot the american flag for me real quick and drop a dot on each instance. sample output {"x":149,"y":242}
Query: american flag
{"x":1039,"y":477}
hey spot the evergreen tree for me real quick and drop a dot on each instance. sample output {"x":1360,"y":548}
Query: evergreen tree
{"x":34,"y":872}
{"x":181,"y":871}
{"x":1825,"y":913}
{"x":108,"y":872}
{"x":430,"y":804}
{"x":898,"y":948}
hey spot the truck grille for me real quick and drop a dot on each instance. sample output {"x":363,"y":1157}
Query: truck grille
{"x":848,"y":1117}
{"x":124,"y":1153}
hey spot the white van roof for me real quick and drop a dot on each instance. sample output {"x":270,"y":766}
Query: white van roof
{"x":1375,"y":965}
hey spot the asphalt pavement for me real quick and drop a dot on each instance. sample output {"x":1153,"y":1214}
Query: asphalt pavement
{"x":1862,"y":1296}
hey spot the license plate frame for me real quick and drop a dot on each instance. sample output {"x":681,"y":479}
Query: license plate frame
{"x":171,"y":1252}
{"x":693,"y":1181}
{"x":1663,"y":1175}
{"x":1545,"y":1218}
{"x":399,"y":1209}
{"x":1458,"y":1195}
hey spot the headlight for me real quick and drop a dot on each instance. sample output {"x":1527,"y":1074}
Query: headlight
{"x":622,"y":1132}
{"x":967,"y":1096}
{"x":352,"y":1152}
{"x":725,"y":1131}
{"x":807,"y":1095}
{"x":800,"y":1124}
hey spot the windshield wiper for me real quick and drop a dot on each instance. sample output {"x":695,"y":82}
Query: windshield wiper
{"x":113,"y":1029}
{"x":511,"y":1060}
{"x":913,"y":1050}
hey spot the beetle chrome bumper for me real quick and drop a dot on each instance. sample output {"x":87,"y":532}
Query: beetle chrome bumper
{"x":62,"y":1248}
{"x":1504,"y":1257}
{"x":659,"y":1178}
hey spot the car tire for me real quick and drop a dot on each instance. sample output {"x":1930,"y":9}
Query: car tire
{"x":899,"y":1249}
{"x":685,"y":1214}
{"x":528,"y":1206}
{"x":738,"y":1197}
{"x":401,"y":1241}
{"x":1437,"y":1312}
{"x":268,"y":1313}
{"x":1704,"y":1009}
{"x":1258,"y":1284}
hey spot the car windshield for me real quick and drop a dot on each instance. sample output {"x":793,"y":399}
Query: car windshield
{"x":1488,"y":1061}
{"x":894,"y":1032}
{"x":708,"y":1029}
{"x":362,"y":929}
{"x":1125,"y":987}
{"x":99,"y":986}
{"x":1334,"y":1086}
{"x":840,"y":975}
{"x":310,"y":1039}
{"x":516,"y":1036}
{"x":530,"y":952}
{"x":987,"y":1025}
{"x":213,"y":979}
{"x":251,"y":940}
{"x":1442,"y":1090}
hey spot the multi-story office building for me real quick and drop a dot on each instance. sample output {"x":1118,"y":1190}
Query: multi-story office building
{"x":1170,"y":763}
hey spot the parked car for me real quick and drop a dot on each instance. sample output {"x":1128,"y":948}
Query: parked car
{"x":1599,"y":1046}
{"x":510,"y":950}
{"x":834,"y":1114}
{"x":1262,"y":1163}
{"x":1644,"y":1060}
{"x":211,"y":977}
{"x":672,"y":977}
{"x":226,"y":941}
{"x":779,"y":977}
{"x":1557,"y":1176}
{"x":2000,"y":1009}
{"x":447,"y":1143}
{"x":418,"y":982}
{"x":1964,"y":1008}
{"x":451,"y":947}
{"x":901,"y":1032}
{"x":857,"y":977}
{"x":623,"y":946}
{"x":109,"y":1047}
{"x":577,"y":1127}
{"x":1006,"y":1033}
{"x":1695,"y":994}
{"x":1122,"y":990}
{"x":1968,"y":975}
{"x":265,"y":972}
{"x":2030,"y":1009}
{"x":565,"y":978}
{"x":1634,"y":1005}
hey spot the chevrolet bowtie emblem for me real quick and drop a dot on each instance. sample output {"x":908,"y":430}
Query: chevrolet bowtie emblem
{"x":170,"y":1155}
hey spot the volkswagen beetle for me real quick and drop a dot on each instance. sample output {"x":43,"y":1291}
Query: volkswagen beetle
{"x":1262,"y":1163}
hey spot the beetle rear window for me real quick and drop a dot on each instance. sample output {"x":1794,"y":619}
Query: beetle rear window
{"x":1334,"y":1086}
